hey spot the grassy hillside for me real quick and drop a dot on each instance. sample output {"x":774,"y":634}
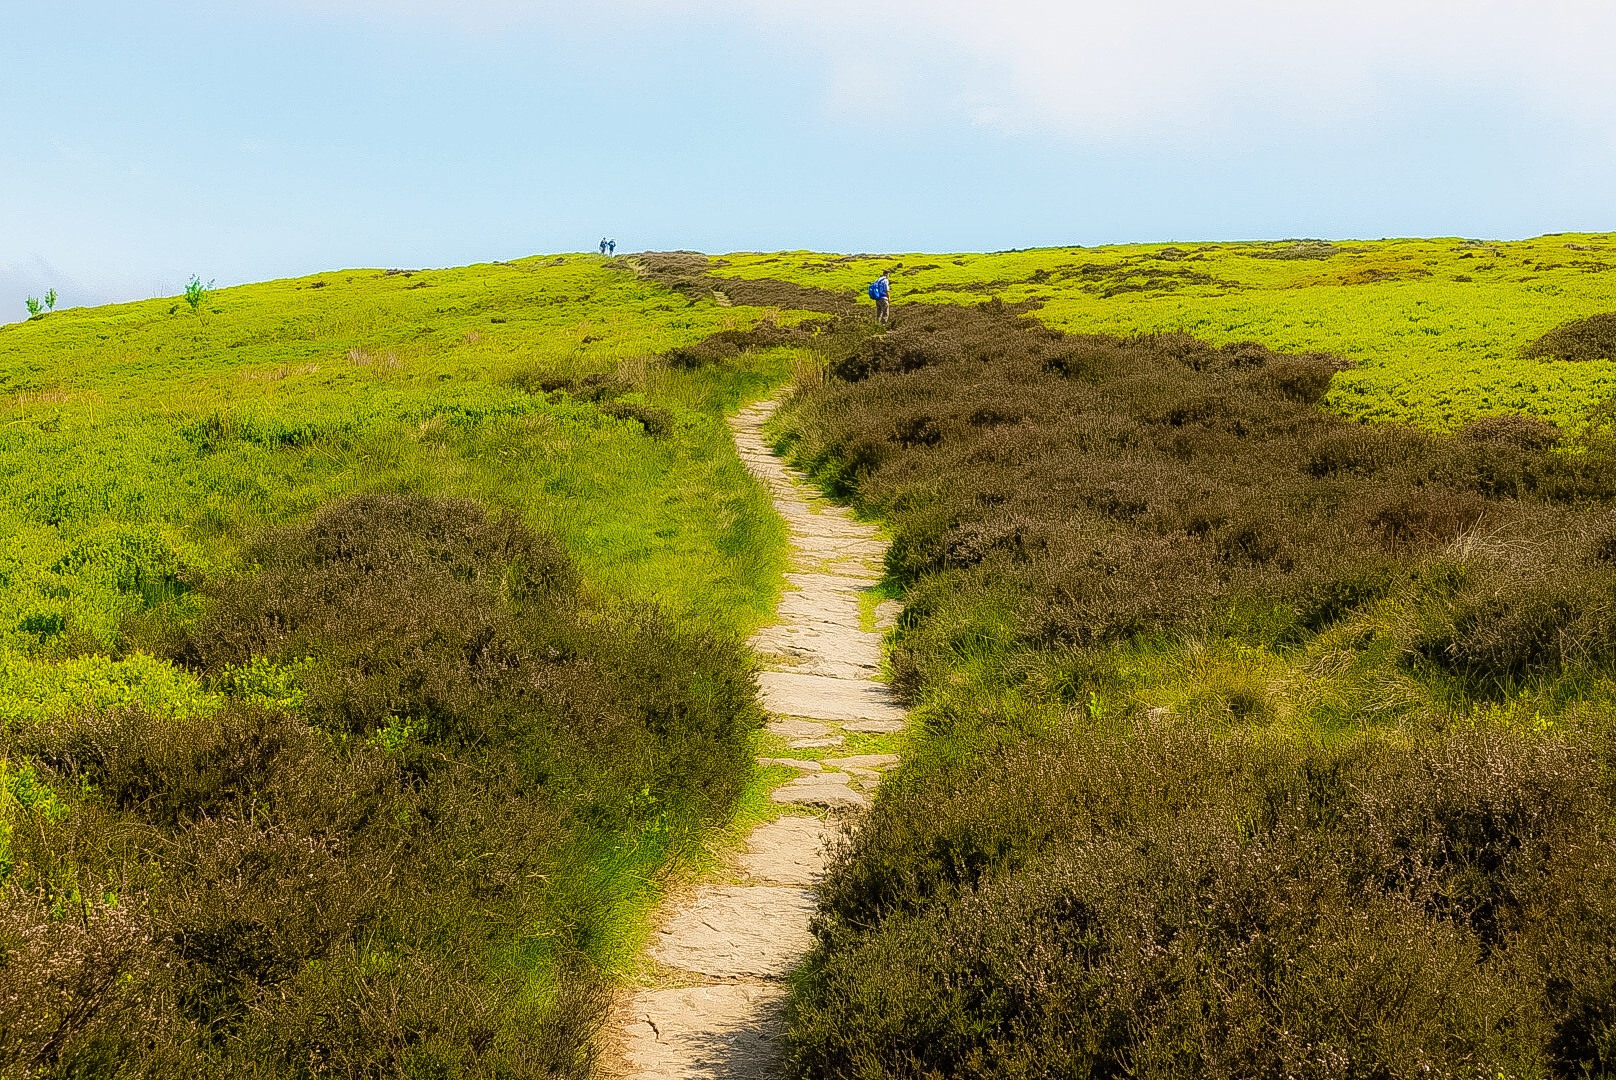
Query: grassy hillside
{"x":368,"y":646}
{"x":1435,"y":327}
{"x":141,"y":444}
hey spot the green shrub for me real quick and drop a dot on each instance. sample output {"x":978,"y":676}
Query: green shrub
{"x":195,"y":293}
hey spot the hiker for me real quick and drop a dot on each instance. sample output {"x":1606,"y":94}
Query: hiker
{"x":611,"y":247}
{"x":880,"y":290}
{"x":603,"y":245}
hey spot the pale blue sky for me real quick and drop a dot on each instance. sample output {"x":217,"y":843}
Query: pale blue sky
{"x":145,"y":141}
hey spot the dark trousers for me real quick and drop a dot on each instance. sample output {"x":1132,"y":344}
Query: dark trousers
{"x":880,"y":309}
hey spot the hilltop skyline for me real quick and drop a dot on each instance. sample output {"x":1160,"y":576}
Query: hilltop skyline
{"x":279,"y":137}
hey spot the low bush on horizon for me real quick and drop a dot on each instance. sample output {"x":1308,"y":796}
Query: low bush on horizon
{"x":397,"y":847}
{"x":1257,"y":741}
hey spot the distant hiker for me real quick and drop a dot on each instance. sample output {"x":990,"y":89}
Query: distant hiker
{"x":611,"y":247}
{"x":603,"y":245}
{"x":880,"y":290}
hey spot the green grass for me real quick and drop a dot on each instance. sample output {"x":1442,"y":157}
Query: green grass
{"x":140,"y":443}
{"x":1436,"y":327}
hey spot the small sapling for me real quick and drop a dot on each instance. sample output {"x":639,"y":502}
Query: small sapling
{"x":196,"y":292}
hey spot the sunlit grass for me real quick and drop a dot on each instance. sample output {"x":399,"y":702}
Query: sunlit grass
{"x":188,"y":433}
{"x":1436,"y":326}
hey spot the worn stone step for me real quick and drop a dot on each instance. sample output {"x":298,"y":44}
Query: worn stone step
{"x":790,"y":851}
{"x":861,"y":761}
{"x":738,"y":931}
{"x":818,"y":697}
{"x":832,"y":791}
{"x":731,"y":1031}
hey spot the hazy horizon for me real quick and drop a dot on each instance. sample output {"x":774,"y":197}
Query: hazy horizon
{"x":281,"y":138}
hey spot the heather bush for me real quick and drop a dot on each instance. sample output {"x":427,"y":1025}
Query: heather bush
{"x":1129,"y":486}
{"x":398,"y":874}
{"x":1256,"y":741}
{"x":1593,"y":338}
{"x":1166,"y":902}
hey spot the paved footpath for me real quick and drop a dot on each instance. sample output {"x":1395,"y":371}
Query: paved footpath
{"x":723,"y":952}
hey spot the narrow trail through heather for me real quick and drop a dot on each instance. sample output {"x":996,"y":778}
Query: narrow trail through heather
{"x":723,"y":952}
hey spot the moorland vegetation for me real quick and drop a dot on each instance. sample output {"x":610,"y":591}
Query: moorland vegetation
{"x":1257,"y":741}
{"x":368,"y":656}
{"x":1437,"y":329}
{"x":378,"y":855}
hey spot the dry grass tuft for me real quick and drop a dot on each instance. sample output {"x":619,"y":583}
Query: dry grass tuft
{"x":386,"y":359}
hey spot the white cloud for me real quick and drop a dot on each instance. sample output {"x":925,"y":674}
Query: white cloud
{"x":1174,"y":66}
{"x":1135,"y":69}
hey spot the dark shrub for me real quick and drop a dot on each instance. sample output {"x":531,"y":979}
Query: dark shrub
{"x":898,"y":352}
{"x":968,"y":545}
{"x":1303,"y":378}
{"x":368,"y":884}
{"x":917,"y":431}
{"x":1496,"y":631}
{"x":1171,"y":903}
{"x":72,"y":990}
{"x":1331,"y":593}
{"x":1365,"y":450}
{"x":686,"y":272}
{"x":180,"y":772}
{"x":988,"y":416}
{"x":541,"y":380}
{"x":1255,"y":540}
{"x":728,"y":344}
{"x":1526,"y":432}
{"x":1427,"y":516}
{"x":1593,"y":338}
{"x":658,"y":423}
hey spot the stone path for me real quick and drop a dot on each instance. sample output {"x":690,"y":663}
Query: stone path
{"x":727,"y":948}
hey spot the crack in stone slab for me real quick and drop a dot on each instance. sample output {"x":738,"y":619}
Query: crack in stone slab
{"x":738,"y":931}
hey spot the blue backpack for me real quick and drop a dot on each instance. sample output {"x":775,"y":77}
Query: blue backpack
{"x":875,"y":289}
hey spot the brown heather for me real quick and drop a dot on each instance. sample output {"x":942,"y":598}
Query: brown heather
{"x":1593,"y":338}
{"x":399,"y":878}
{"x":1062,"y":882}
